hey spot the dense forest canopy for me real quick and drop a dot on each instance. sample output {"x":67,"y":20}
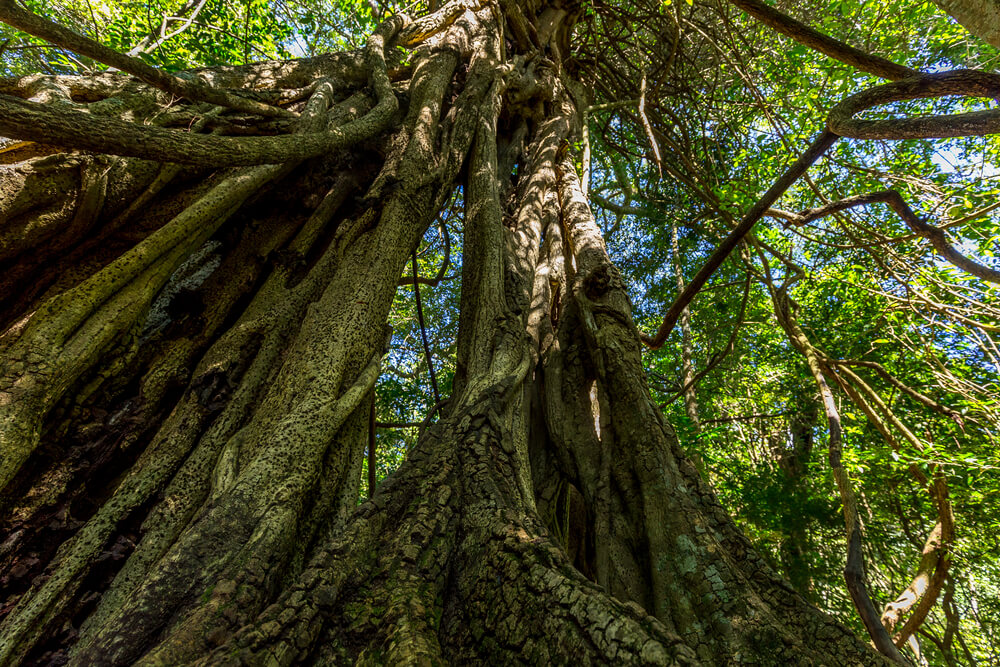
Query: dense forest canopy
{"x":353,"y":331}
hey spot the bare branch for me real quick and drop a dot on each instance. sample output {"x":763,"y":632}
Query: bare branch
{"x":895,"y":200}
{"x":819,"y":146}
{"x":440,"y":277}
{"x":151,"y":41}
{"x":906,"y":389}
{"x":968,"y":83}
{"x":825,"y":44}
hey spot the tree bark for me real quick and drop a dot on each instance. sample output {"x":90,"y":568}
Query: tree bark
{"x":220,"y":525}
{"x":980,"y":17}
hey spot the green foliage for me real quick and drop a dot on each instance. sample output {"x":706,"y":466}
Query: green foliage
{"x":212,"y":32}
{"x":731,"y":111}
{"x":870,"y":291}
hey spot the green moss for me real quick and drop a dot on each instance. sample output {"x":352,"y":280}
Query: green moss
{"x":207,"y":595}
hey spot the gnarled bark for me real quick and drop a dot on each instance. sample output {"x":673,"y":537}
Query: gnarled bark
{"x":246,"y":469}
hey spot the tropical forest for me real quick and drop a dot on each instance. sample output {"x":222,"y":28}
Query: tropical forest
{"x":498,"y":332}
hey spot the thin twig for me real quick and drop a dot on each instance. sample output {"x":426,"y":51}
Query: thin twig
{"x":819,"y":146}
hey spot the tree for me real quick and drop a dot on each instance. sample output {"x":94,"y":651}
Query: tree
{"x":979,"y":16}
{"x":229,"y":255}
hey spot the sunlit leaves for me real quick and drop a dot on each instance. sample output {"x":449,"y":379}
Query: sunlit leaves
{"x":871,"y":289}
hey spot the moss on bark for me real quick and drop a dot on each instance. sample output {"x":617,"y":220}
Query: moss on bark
{"x":251,"y":550}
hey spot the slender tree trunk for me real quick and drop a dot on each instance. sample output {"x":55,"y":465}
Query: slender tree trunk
{"x":687,"y":353}
{"x":191,"y":397}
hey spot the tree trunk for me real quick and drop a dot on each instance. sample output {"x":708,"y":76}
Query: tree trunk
{"x":213,"y":509}
{"x":980,"y":17}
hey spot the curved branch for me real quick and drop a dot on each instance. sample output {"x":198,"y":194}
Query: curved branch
{"x":825,"y":44}
{"x":52,"y":32}
{"x":619,"y":209}
{"x":895,"y":201}
{"x":440,"y":277}
{"x":840,"y":121}
{"x":23,"y":119}
{"x":968,"y":83}
{"x":935,"y":559}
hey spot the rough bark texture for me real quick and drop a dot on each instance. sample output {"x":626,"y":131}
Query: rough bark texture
{"x":184,"y":410}
{"x":980,"y":17}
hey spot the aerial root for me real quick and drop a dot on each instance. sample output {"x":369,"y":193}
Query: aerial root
{"x":24,"y":119}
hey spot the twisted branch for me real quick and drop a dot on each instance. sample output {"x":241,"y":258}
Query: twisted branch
{"x":23,"y":119}
{"x":967,"y":83}
{"x":195,"y":90}
{"x":920,"y":228}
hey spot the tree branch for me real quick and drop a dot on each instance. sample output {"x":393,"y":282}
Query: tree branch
{"x":854,"y":570}
{"x":825,"y":44}
{"x":423,"y":330}
{"x":194,"y":90}
{"x":620,"y":209}
{"x":144,"y":46}
{"x":935,"y":559}
{"x":799,"y":167}
{"x":968,"y":83}
{"x":23,"y":119}
{"x":906,"y":389}
{"x":439,"y":278}
{"x":721,"y":355}
{"x":841,"y":123}
{"x":895,"y":201}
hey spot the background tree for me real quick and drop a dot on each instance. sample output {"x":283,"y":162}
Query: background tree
{"x":190,"y":401}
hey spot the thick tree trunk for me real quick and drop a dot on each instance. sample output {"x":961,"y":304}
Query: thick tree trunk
{"x":231,"y":487}
{"x":980,"y":17}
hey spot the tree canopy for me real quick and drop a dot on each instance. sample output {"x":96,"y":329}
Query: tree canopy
{"x":827,"y":356}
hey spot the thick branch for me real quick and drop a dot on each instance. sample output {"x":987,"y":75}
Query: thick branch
{"x":64,"y":127}
{"x":968,"y":83}
{"x":825,"y":44}
{"x":52,"y":32}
